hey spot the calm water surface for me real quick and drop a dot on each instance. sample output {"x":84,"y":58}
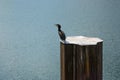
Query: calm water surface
{"x":29,"y":43}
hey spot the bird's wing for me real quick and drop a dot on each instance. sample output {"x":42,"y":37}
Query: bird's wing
{"x":62,"y":35}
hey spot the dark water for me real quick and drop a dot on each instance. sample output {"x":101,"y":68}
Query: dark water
{"x":29,"y":43}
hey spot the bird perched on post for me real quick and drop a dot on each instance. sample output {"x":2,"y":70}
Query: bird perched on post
{"x":61,"y":33}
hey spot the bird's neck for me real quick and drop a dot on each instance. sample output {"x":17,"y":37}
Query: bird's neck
{"x":59,"y":29}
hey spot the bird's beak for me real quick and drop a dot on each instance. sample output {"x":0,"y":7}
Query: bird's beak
{"x":56,"y":25}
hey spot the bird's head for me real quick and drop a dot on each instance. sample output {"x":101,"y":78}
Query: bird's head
{"x":58,"y":25}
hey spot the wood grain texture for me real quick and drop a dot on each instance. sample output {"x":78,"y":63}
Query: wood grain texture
{"x":81,"y":62}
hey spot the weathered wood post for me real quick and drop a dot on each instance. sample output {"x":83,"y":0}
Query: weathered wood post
{"x":81,"y":58}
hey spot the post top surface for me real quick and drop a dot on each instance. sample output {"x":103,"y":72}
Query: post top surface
{"x":82,"y":40}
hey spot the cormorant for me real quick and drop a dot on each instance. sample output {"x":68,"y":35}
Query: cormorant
{"x":61,"y":33}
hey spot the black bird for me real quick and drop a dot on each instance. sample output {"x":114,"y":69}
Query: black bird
{"x":61,"y":33}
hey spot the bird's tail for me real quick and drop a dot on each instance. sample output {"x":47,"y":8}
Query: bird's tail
{"x":64,"y":41}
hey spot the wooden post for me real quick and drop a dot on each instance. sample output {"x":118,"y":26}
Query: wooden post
{"x":81,"y":62}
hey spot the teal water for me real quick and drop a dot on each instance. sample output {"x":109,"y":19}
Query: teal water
{"x":29,"y":43}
